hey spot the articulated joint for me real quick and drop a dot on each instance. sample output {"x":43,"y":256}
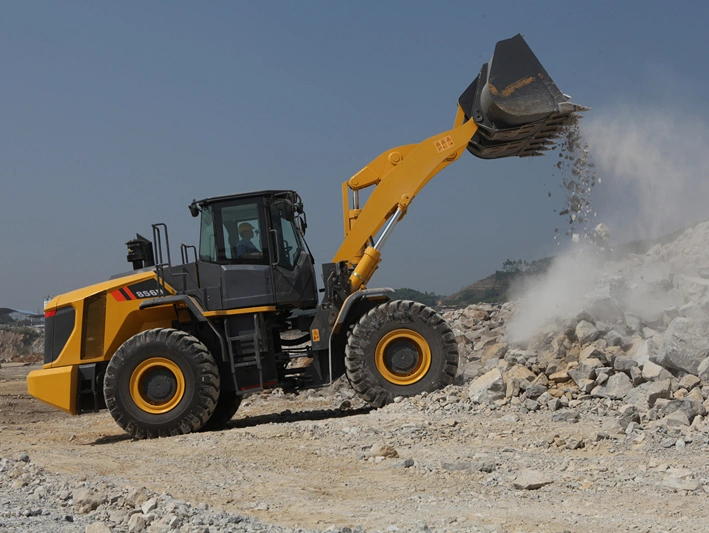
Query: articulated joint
{"x":365,"y":268}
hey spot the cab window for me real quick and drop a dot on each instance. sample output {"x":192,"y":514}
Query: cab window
{"x":236,"y":234}
{"x":289,"y":241}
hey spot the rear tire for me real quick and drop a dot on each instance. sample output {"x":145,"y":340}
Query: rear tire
{"x":161,"y":382}
{"x":400,"y":348}
{"x":225,"y":410}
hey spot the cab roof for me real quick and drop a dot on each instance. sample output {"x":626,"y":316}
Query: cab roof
{"x":254,"y":194}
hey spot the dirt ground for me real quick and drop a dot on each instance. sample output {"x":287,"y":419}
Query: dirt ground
{"x":299,"y":461}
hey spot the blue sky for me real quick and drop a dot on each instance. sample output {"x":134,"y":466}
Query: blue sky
{"x":116,"y":115}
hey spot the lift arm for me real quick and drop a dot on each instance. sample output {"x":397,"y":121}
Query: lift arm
{"x":397,"y":175}
{"x":512,"y":108}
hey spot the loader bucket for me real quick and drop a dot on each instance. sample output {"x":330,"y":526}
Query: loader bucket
{"x":519,"y":110}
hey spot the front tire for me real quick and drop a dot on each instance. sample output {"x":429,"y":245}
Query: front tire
{"x":400,"y":348}
{"x":161,"y":382}
{"x":225,"y":410}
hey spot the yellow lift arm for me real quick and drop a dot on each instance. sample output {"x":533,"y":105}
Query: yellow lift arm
{"x":397,"y":176}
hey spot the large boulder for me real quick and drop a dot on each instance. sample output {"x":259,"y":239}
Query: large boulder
{"x":616,"y":388}
{"x":586,"y":332}
{"x":488,"y":387}
{"x":684,"y":346}
{"x":694,"y":289}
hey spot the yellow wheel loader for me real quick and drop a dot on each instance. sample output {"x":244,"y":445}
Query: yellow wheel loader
{"x":172,"y":348}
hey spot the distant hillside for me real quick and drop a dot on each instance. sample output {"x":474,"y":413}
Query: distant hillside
{"x":495,"y":288}
{"x":427,"y":298}
{"x":21,"y":344}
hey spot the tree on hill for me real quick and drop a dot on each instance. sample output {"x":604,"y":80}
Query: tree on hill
{"x":427,"y":298}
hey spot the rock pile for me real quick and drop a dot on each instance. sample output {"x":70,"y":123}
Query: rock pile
{"x":642,"y":339}
{"x":32,"y":499}
{"x":21,"y":344}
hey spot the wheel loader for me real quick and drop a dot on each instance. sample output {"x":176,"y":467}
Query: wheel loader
{"x":171,"y":348}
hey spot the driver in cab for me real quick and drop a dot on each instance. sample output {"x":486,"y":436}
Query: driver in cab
{"x":245,"y":246}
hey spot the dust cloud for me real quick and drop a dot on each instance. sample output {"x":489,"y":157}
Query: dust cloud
{"x":657,"y":169}
{"x":653,"y":166}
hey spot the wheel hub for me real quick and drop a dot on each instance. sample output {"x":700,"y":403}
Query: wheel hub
{"x":403,"y":357}
{"x":157,"y":385}
{"x":160,"y":385}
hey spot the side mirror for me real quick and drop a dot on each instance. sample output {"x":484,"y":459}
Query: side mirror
{"x":194,"y":209}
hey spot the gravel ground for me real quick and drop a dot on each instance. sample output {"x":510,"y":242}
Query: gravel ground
{"x":322,"y":461}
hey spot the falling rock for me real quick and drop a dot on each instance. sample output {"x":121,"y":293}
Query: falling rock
{"x":685,"y":345}
{"x":531,"y":480}
{"x":586,"y":332}
{"x":488,"y":387}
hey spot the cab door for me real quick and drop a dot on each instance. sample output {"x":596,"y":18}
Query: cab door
{"x":293,"y":271}
{"x":235,"y":258}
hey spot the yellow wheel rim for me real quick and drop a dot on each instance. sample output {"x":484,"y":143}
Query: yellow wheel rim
{"x":157,"y":385}
{"x":403,"y":357}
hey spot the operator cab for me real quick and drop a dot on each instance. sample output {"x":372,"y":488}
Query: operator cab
{"x":252,"y":251}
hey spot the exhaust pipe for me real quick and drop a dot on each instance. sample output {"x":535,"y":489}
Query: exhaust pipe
{"x":518,"y":108}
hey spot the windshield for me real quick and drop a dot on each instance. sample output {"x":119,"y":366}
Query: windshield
{"x":233,"y":233}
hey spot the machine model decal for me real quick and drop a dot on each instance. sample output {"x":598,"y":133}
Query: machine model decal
{"x":139,"y":291}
